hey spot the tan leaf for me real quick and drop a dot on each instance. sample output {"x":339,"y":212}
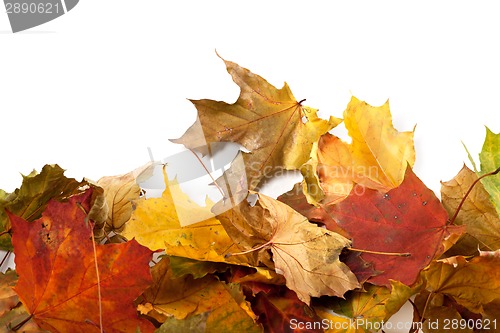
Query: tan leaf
{"x":119,"y":192}
{"x":305,"y":254}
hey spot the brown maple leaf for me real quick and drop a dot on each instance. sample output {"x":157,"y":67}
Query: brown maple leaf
{"x":265,"y":120}
{"x":57,"y":275}
{"x":477,"y":213}
{"x":472,"y":284}
{"x":305,"y":254}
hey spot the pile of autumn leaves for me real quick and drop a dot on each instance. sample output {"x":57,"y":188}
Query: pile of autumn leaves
{"x":353,"y":242}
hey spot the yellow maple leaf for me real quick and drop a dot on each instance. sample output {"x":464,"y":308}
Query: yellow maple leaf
{"x":156,"y":224}
{"x":364,"y":311}
{"x":377,"y":157}
{"x":183,"y":297}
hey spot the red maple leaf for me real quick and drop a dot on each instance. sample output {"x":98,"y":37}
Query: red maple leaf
{"x":406,"y":220}
{"x":57,"y":275}
{"x":281,"y":311}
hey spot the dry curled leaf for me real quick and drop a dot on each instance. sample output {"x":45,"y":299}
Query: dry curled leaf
{"x":119,"y":191}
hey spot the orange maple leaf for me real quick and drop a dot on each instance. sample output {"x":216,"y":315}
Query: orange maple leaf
{"x":57,"y":275}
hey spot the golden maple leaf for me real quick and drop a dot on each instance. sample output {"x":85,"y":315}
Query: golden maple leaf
{"x":376,"y":158}
{"x":156,"y":223}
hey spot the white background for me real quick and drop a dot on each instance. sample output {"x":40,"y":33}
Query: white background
{"x":94,"y":88}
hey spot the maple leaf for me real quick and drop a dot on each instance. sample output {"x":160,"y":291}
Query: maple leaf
{"x":12,"y":311}
{"x":408,"y":219}
{"x":250,"y":276}
{"x":296,"y":198}
{"x":378,"y":154}
{"x":375,"y":305}
{"x":305,"y":254}
{"x":376,"y":159}
{"x":32,"y":197}
{"x":183,"y":266}
{"x":265,"y":120}
{"x":471,"y":284}
{"x":477,"y":213}
{"x":156,"y":223}
{"x":362,"y":269}
{"x":223,"y":306}
{"x":281,"y":312}
{"x":8,"y":298}
{"x":434,"y":310}
{"x":192,"y":324}
{"x":254,"y":269}
{"x":234,"y":273}
{"x":57,"y":276}
{"x":119,"y":191}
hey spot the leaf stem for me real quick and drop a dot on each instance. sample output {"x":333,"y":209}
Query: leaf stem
{"x":427,"y":301}
{"x":106,"y":235}
{"x":416,"y":316}
{"x":21,"y":324}
{"x":450,"y":221}
{"x":208,"y":172}
{"x":98,"y":280}
{"x":249,"y":251}
{"x":7,"y":254}
{"x":397,"y":254}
